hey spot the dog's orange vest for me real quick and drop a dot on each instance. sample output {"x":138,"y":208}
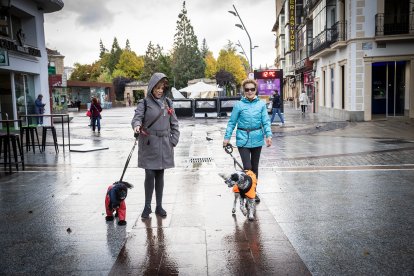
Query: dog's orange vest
{"x":252,"y":192}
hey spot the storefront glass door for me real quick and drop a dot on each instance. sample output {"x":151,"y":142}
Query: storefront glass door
{"x":388,"y":88}
{"x":25,"y":94}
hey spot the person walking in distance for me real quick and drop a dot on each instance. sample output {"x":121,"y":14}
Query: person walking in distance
{"x":157,"y":125}
{"x":250,"y":117}
{"x":39,"y":109}
{"x":303,"y":99}
{"x":276,"y":107}
{"x":96,"y":110}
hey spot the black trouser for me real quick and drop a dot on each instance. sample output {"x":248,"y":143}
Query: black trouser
{"x":154,"y":178}
{"x":303,"y":108}
{"x":250,"y":158}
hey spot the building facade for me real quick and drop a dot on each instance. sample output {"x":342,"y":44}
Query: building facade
{"x":24,"y":62}
{"x":355,"y":59}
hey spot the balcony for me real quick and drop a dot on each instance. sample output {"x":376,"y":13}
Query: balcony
{"x":308,"y":7}
{"x":323,"y":41}
{"x":393,"y":25}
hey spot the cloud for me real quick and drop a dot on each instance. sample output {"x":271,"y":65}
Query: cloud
{"x":88,"y":21}
{"x":90,"y":14}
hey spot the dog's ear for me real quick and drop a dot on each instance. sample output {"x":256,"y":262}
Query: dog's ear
{"x":222,"y":175}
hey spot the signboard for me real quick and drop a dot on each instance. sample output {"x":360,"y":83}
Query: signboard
{"x":268,"y":81}
{"x":51,"y":70}
{"x":55,"y":80}
{"x":4,"y":58}
{"x":292,"y":23}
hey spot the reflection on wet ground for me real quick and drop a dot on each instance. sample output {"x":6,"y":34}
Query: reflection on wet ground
{"x":333,"y":203}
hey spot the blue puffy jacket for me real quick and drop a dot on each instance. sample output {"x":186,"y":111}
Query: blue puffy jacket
{"x":252,"y":123}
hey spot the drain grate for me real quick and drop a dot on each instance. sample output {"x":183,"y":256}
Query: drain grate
{"x":201,"y":160}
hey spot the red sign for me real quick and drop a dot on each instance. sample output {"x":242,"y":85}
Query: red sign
{"x":267,"y":74}
{"x":55,"y":80}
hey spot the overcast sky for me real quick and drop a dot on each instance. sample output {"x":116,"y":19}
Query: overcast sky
{"x":75,"y":31}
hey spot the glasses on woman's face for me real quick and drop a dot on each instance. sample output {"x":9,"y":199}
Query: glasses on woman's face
{"x":250,"y":89}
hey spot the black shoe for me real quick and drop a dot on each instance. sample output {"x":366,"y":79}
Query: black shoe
{"x":147,"y":211}
{"x":160,"y":211}
{"x":109,"y":218}
{"x":257,"y":199}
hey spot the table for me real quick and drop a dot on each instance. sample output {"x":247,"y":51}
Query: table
{"x":51,"y":116}
{"x":7,"y":143}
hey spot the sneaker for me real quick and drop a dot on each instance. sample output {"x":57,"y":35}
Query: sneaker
{"x":160,"y":211}
{"x":147,"y":211}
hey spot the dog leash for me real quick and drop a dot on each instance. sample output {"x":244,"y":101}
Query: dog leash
{"x":229,"y":149}
{"x":129,"y":156}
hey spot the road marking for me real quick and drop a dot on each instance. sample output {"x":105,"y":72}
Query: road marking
{"x":399,"y":167}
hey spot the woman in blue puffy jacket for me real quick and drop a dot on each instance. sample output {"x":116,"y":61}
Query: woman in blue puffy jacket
{"x":253,"y":127}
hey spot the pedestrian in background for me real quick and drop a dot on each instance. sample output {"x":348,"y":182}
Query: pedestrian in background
{"x":39,"y":109}
{"x":96,"y":117}
{"x":250,"y":117}
{"x":276,"y":107}
{"x":303,"y":99}
{"x":157,"y":125}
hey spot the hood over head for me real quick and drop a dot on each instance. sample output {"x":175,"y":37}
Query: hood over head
{"x":155,"y":78}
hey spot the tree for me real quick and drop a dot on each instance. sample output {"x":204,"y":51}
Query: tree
{"x":150,"y":61}
{"x":165,"y":66}
{"x":211,"y":65}
{"x":232,"y":63}
{"x":187,"y":60}
{"x":119,"y":86}
{"x":130,"y":64}
{"x":81,"y":72}
{"x":226,"y":79}
{"x":204,"y":49}
{"x":115,"y":54}
{"x":127,"y":46}
{"x":102,"y":49}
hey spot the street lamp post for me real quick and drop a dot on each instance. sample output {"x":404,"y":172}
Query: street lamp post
{"x":235,"y":13}
{"x":243,"y":52}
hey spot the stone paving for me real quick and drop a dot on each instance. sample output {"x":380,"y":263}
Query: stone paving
{"x":336,"y":200}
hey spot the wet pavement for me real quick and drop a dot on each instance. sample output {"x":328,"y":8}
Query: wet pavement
{"x":336,"y":200}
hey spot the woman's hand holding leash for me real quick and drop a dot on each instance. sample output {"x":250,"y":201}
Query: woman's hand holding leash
{"x":225,"y":142}
{"x":137,"y":129}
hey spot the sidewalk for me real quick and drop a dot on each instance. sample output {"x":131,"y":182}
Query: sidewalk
{"x":316,"y":221}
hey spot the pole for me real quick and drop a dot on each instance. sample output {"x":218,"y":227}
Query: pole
{"x":250,"y":40}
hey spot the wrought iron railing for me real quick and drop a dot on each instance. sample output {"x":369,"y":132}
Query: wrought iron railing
{"x":393,"y":24}
{"x":327,"y":37}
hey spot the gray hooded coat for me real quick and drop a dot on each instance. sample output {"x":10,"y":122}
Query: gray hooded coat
{"x":156,"y":150}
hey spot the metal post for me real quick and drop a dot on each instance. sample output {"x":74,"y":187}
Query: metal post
{"x":250,"y":40}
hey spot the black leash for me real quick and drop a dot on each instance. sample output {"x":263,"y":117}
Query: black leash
{"x":229,"y":149}
{"x":129,"y":156}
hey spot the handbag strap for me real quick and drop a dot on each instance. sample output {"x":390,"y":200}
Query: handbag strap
{"x":156,"y":118}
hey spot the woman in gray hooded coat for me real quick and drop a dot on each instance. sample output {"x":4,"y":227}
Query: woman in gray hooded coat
{"x":157,"y":125}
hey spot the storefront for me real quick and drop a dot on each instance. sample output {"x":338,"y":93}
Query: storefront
{"x":309,"y":87}
{"x":23,"y":62}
